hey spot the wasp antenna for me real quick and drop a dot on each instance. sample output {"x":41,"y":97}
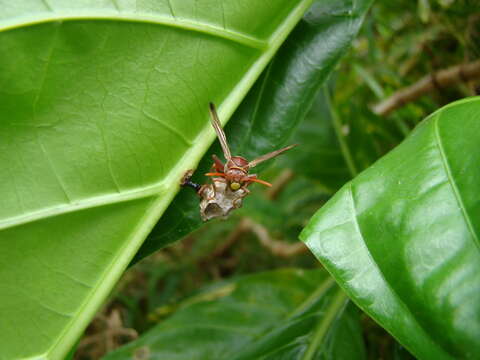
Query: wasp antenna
{"x":261,"y":182}
{"x":215,"y":174}
{"x":270,"y":155}
{"x":217,"y":126}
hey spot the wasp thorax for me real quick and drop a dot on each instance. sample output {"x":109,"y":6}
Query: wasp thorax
{"x":238,"y":163}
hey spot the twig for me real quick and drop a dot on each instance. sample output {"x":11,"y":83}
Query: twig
{"x":276,"y":247}
{"x":337,"y":126}
{"x":245,"y":225}
{"x":236,"y":234}
{"x":438,"y":80}
{"x":107,"y":337}
{"x":280,"y":182}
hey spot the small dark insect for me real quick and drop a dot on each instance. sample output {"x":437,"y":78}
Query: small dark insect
{"x":230,"y":180}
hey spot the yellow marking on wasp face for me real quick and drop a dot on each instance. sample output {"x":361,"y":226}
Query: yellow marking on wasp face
{"x":234,"y":186}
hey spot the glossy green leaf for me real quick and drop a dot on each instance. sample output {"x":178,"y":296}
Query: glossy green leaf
{"x":337,"y":141}
{"x":104,"y":107}
{"x":283,"y":314}
{"x":276,"y":104}
{"x":402,"y":238}
{"x":319,"y":157}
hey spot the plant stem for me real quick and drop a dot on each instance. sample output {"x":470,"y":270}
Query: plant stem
{"x":337,"y":125}
{"x":337,"y":307}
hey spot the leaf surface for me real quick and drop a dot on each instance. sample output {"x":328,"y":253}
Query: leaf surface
{"x":282,"y":314}
{"x":402,"y":238}
{"x":319,"y":157}
{"x":104,"y":107}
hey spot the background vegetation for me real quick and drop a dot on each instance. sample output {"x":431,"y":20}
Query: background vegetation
{"x":399,"y":44}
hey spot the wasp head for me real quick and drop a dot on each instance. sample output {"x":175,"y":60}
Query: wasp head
{"x":236,"y":169}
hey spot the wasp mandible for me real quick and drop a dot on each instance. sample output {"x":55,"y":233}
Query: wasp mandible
{"x":229,"y":180}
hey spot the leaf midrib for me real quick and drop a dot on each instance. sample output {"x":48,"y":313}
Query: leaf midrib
{"x":327,"y":284}
{"x":160,"y":19}
{"x":337,"y":306}
{"x":451,"y":179}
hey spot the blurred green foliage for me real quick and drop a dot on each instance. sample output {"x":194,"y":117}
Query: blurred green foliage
{"x":400,"y":42}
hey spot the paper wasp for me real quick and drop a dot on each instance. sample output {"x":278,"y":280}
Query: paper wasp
{"x":230,"y":180}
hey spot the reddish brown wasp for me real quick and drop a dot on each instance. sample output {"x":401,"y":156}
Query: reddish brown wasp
{"x":230,"y":180}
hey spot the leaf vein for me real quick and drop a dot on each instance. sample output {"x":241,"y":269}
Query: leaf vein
{"x":92,"y":202}
{"x":168,"y":21}
{"x":393,"y":292}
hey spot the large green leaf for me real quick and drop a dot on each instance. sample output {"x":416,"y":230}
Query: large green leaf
{"x":104,"y":107}
{"x":283,"y":314}
{"x":276,"y":104}
{"x":402,"y":238}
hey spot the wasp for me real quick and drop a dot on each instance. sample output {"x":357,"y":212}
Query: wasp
{"x":229,"y":180}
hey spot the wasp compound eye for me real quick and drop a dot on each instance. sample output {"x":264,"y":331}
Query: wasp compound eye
{"x":234,"y":186}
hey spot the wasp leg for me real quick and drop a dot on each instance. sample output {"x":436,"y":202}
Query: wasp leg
{"x":192,"y":185}
{"x":245,"y":191}
{"x":237,"y":203}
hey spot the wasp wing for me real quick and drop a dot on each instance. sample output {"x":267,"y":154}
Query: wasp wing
{"x":269,"y":156}
{"x":218,"y":129}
